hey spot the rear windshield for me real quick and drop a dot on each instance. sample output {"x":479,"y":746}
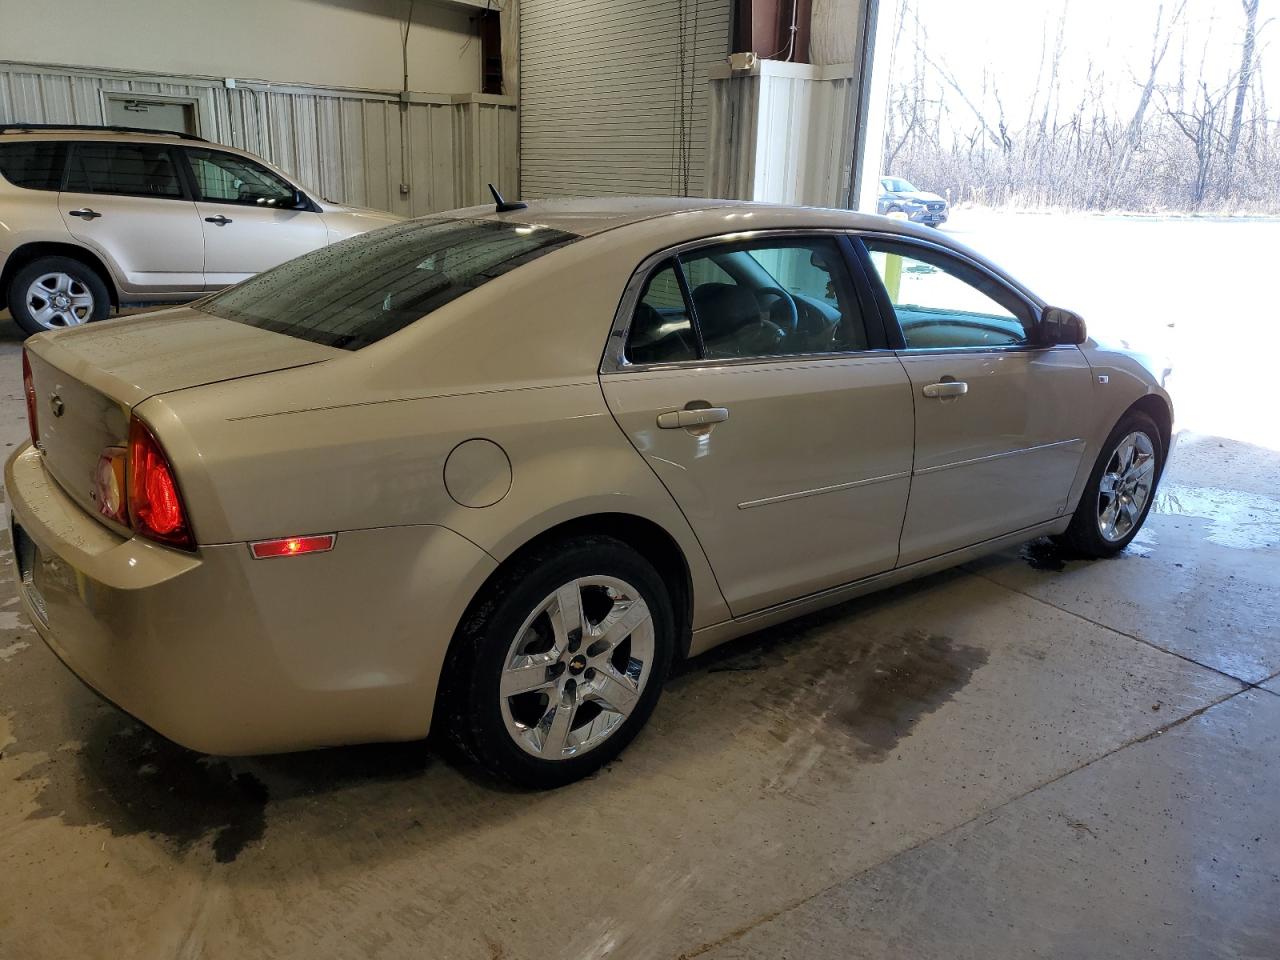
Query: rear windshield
{"x":356,"y":292}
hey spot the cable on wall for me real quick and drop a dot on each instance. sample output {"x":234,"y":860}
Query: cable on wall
{"x":687,"y":53}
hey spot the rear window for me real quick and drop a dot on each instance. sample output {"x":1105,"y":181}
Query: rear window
{"x":128,"y":169}
{"x":34,"y":164}
{"x":356,"y":292}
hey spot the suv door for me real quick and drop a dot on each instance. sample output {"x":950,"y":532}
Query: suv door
{"x":1000,"y":421}
{"x":126,"y":201}
{"x":746,"y":377}
{"x":250,"y":216}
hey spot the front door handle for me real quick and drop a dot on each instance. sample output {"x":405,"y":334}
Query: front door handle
{"x":220,"y":220}
{"x":84,"y":213}
{"x":697,"y":417}
{"x":947,"y":388}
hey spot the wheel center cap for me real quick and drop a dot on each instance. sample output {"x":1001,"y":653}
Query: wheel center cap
{"x":62,"y":300}
{"x":577,"y":664}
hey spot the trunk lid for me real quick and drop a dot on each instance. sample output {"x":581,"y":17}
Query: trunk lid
{"x":96,"y":375}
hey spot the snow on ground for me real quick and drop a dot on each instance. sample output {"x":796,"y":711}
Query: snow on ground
{"x":1199,"y":291}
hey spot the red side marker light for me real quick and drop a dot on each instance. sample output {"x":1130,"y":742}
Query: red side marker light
{"x":293,"y":546}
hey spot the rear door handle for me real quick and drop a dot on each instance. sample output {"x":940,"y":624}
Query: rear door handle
{"x":698,"y":417}
{"x":947,"y":388}
{"x":220,"y":220}
{"x":84,"y":213}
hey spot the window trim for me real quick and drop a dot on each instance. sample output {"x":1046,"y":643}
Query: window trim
{"x":308,"y":205}
{"x":615,"y":359}
{"x":889,"y":316}
{"x":179,"y":167}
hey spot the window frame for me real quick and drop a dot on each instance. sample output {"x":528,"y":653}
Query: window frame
{"x":878,"y":335}
{"x":889,"y":317}
{"x":179,"y":166}
{"x":198,"y":196}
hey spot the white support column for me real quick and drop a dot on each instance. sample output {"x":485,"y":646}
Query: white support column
{"x":782,"y":132}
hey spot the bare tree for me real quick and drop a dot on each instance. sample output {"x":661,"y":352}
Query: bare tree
{"x":1242,"y":86}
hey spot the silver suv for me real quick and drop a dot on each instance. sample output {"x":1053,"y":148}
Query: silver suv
{"x":96,"y":217}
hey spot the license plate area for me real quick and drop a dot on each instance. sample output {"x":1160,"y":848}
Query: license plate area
{"x":27,"y":556}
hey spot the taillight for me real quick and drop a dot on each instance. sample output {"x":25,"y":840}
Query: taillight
{"x":29,"y":388}
{"x":109,"y":485}
{"x":154,"y":504}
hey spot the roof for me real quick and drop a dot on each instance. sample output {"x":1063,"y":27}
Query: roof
{"x":79,"y":131}
{"x":663,"y":222}
{"x":586,"y":216}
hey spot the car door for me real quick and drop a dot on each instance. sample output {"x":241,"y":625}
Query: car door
{"x":253,"y":219}
{"x":126,"y":200}
{"x":1000,"y":421}
{"x":748,"y":379}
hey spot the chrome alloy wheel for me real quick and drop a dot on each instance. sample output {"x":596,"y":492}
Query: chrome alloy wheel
{"x":577,"y":667}
{"x":1126,"y":486}
{"x":59,"y":300}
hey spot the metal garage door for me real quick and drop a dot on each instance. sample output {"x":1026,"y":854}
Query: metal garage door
{"x":613,"y":96}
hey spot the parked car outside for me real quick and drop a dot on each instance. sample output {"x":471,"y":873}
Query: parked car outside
{"x":901,"y":197}
{"x":96,"y":217}
{"x":494,"y":472}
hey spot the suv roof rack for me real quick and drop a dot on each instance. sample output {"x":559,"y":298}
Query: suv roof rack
{"x":39,"y":127}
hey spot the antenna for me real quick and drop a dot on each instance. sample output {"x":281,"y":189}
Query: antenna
{"x":503,"y":205}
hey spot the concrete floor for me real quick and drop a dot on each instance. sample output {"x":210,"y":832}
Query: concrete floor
{"x":1031,"y":756}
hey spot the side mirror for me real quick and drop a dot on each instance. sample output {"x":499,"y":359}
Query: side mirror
{"x":1059,"y":325}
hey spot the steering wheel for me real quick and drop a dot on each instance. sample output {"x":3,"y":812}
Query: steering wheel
{"x":789,"y":323}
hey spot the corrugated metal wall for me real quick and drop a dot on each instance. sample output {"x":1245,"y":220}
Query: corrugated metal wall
{"x":603,"y":105}
{"x":783,"y":133}
{"x":346,"y":144}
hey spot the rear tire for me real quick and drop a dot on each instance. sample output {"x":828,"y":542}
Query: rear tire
{"x":541,"y":695}
{"x":1120,"y":490}
{"x":52,"y":293}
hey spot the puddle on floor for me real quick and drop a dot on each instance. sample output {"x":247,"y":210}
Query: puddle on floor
{"x":1245,"y":521}
{"x":899,"y":683}
{"x":857,"y":693}
{"x":141,"y":783}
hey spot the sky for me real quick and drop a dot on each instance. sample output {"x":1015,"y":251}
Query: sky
{"x":1004,"y":37}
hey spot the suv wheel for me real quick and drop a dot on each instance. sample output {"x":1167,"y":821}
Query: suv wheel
{"x":56,"y":292}
{"x":560,"y":662}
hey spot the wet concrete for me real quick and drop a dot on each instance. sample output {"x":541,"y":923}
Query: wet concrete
{"x":1164,"y":850}
{"x":1019,"y":708}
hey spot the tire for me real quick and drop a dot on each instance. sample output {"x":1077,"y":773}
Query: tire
{"x":578,"y":708}
{"x":1089,"y":535}
{"x":87,"y":297}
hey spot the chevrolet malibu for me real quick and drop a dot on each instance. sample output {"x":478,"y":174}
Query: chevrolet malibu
{"x":494,"y":471}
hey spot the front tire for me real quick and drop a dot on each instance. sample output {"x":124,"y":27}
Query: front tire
{"x":1120,"y":489}
{"x":560,"y":662}
{"x":52,"y":293}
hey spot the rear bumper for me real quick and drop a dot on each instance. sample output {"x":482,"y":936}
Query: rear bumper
{"x":230,"y":655}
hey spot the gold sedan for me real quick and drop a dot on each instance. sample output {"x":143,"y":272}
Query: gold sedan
{"x":495,"y":470}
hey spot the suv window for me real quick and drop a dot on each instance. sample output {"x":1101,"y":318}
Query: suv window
{"x":227,"y":178}
{"x":941,"y":301}
{"x":356,"y":292}
{"x":33,"y":164}
{"x":776,"y":298}
{"x":661,"y":331}
{"x":130,"y":169}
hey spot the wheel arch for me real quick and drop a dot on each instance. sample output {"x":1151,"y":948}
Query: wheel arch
{"x":29,"y":252}
{"x":641,"y":534}
{"x":1158,"y":409}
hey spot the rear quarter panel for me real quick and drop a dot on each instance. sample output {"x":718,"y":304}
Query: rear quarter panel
{"x":361,"y":442}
